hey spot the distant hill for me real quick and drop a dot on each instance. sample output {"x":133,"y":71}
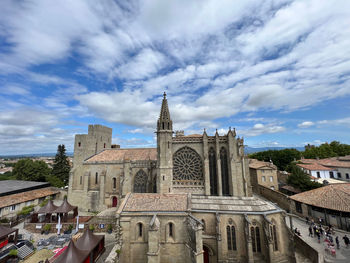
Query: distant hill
{"x":33,"y":155}
{"x":249,"y":150}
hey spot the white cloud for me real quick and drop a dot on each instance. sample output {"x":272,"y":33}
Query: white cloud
{"x":306,"y":124}
{"x":260,"y":128}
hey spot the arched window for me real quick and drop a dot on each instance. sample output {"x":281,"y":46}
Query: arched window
{"x":96,"y":178}
{"x":139,"y":229}
{"x":171,"y":230}
{"x":255,"y":233}
{"x":140,"y":182}
{"x":273,"y":233}
{"x":187,"y":165}
{"x":224,"y":171}
{"x":231,"y":236}
{"x":81,"y":179}
{"x":114,"y":183}
{"x":212,"y":172}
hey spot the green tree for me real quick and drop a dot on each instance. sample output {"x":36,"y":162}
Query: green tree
{"x":27,"y":169}
{"x":301,"y":180}
{"x":61,"y":165}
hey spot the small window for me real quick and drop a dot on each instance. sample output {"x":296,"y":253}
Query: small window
{"x":273,"y":234}
{"x":331,"y":174}
{"x":231,"y":237}
{"x":79,"y":144}
{"x":168,"y":126}
{"x":271,"y":179}
{"x":104,"y":145}
{"x":163,"y":125}
{"x":163,"y":177}
{"x":203,"y":222}
{"x":139,"y":229}
{"x":347,"y":176}
{"x":339,"y":175}
{"x":171,"y":230}
{"x":81,"y":179}
{"x":114,"y":183}
{"x":13,"y":207}
{"x":318,"y":175}
{"x":96,"y":178}
{"x":263,"y":178}
{"x":263,"y":171}
{"x":298,"y":207}
{"x":255,"y":234}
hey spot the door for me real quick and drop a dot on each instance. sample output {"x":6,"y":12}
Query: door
{"x":115,"y":201}
{"x":205,"y":255}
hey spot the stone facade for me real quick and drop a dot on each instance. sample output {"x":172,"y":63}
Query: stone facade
{"x":195,"y":203}
{"x":263,"y":173}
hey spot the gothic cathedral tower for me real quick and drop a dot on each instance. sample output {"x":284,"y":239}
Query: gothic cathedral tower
{"x":164,"y":149}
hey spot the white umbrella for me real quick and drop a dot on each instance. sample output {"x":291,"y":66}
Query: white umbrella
{"x":77,"y":227}
{"x":59,"y":225}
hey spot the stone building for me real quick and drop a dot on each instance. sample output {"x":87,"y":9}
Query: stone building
{"x":188,"y":200}
{"x":263,"y":173}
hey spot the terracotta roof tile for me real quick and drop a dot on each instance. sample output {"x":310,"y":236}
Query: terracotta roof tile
{"x":26,"y":196}
{"x":333,"y":196}
{"x":314,"y":167}
{"x":156,"y":202}
{"x":133,"y":154}
{"x":255,"y":164}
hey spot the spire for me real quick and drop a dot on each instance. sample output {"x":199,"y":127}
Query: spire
{"x":164,"y":121}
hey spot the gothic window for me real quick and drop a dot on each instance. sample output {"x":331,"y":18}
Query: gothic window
{"x":81,"y":179}
{"x":224,"y":172}
{"x":187,"y":165}
{"x":140,"y":182}
{"x":96,"y":178}
{"x":273,"y":233}
{"x":255,"y":234}
{"x":231,"y":236}
{"x":212,"y":172}
{"x":203,"y":222}
{"x":114,"y":183}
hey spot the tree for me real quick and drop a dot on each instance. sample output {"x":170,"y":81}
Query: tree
{"x":61,"y":166}
{"x":27,"y":169}
{"x":301,"y":180}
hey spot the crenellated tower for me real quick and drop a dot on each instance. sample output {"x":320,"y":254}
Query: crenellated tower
{"x":164,"y":147}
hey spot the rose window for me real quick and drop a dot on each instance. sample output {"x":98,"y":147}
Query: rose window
{"x":187,"y":165}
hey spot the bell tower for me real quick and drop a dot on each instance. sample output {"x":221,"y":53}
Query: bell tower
{"x":164,"y":149}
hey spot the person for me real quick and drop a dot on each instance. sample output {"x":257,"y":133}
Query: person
{"x":310,"y":231}
{"x":346,"y":241}
{"x":296,"y":231}
{"x":318,"y":235}
{"x":337,"y":242}
{"x":315,"y":228}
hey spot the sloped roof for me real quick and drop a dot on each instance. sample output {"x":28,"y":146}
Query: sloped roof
{"x":314,"y":167}
{"x":136,"y":202}
{"x":88,"y":241}
{"x":26,"y":196}
{"x":333,"y":196}
{"x":72,"y":254}
{"x":65,"y":207}
{"x":334,"y":162}
{"x":132,"y":154}
{"x":4,"y":231}
{"x":256,"y":164}
{"x":49,"y":208}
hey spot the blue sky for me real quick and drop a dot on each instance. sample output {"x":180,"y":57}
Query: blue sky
{"x":278,"y":71}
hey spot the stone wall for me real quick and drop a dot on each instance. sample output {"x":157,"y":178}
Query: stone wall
{"x":307,"y":250}
{"x":279,"y":198}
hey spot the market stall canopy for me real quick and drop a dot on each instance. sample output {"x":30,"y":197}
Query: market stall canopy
{"x":73,"y":254}
{"x":5,"y":231}
{"x":65,"y":207}
{"x":88,"y":240}
{"x":49,"y":208}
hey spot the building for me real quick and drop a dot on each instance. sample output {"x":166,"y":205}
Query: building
{"x":14,"y":195}
{"x":331,"y":203}
{"x":263,"y":173}
{"x":334,"y":168}
{"x":188,"y":200}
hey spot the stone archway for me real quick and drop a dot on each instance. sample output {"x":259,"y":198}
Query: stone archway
{"x":114,"y":201}
{"x":205,"y":254}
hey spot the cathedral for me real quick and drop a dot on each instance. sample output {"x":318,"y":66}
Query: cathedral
{"x":188,"y":200}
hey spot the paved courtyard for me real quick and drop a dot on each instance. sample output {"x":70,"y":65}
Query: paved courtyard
{"x":342,"y":254}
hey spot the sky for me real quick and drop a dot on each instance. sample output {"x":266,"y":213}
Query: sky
{"x":277,"y":71}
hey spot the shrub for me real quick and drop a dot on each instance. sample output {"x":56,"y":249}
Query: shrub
{"x":47,"y":227}
{"x":70,"y":227}
{"x":13,"y":252}
{"x":92,"y":227}
{"x":109,"y":227}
